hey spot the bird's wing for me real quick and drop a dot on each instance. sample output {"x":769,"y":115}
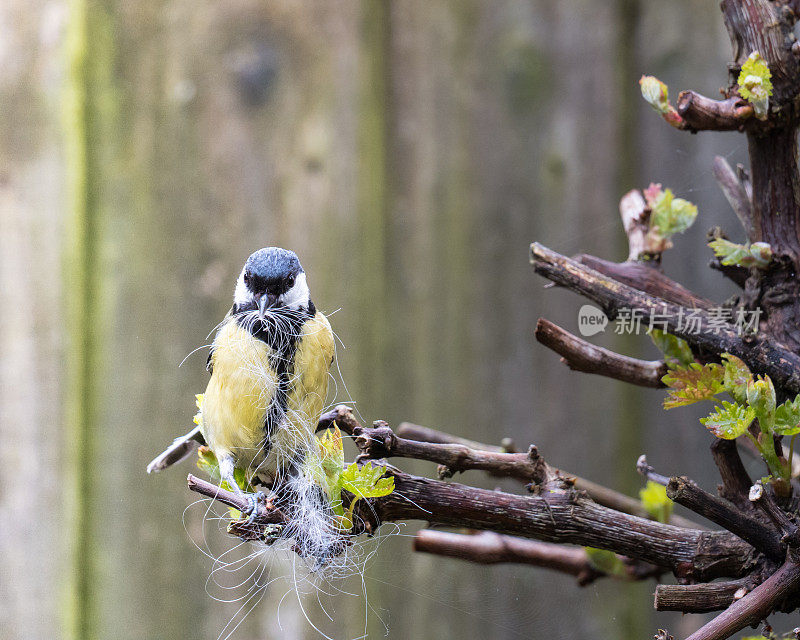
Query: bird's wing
{"x":315,"y":353}
{"x":210,"y":359}
{"x":177,"y":451}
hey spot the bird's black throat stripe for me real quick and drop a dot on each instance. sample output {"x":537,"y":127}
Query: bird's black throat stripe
{"x":280,"y":330}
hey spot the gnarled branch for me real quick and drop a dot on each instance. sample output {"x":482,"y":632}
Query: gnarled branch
{"x":580,"y":355}
{"x":700,"y":113}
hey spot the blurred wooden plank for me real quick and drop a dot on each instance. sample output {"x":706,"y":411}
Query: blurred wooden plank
{"x":32,"y":509}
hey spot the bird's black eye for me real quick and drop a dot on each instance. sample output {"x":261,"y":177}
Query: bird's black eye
{"x":247,"y":277}
{"x":289,"y":282}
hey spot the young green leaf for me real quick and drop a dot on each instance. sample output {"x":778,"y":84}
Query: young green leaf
{"x":326,"y":467}
{"x":761,"y":397}
{"x":364,"y":482}
{"x":693,"y":383}
{"x":729,"y":421}
{"x":656,"y":94}
{"x":198,"y":417}
{"x":758,"y":254}
{"x":736,"y":376}
{"x":787,"y":418}
{"x":755,"y":84}
{"x":672,"y":215}
{"x":676,"y":351}
{"x":655,"y":501}
{"x":367,"y":481}
{"x":605,"y":561}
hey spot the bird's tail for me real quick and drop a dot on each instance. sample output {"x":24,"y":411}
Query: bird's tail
{"x":182,"y":447}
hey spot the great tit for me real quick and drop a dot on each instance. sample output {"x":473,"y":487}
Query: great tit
{"x":269,"y":367}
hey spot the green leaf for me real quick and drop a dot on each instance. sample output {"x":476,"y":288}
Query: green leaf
{"x":729,"y":421}
{"x":207,"y":461}
{"x":761,"y":397}
{"x":367,"y":481}
{"x":758,"y":254}
{"x":676,"y":351}
{"x":693,"y":383}
{"x":655,"y":501}
{"x":655,"y":93}
{"x":671,"y":215}
{"x":755,"y":84}
{"x":787,"y":418}
{"x":364,"y":482}
{"x":605,"y":561}
{"x":736,"y":376}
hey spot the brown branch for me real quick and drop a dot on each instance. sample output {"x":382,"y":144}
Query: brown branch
{"x":736,"y":481}
{"x":561,"y":516}
{"x":580,"y":355}
{"x":646,"y":277}
{"x":488,"y":547}
{"x":700,"y":113}
{"x":265,"y":513}
{"x":759,"y":352}
{"x":381,"y":442}
{"x":426,"y":434}
{"x":764,"y":496}
{"x":755,"y":606}
{"x":698,"y":598}
{"x":687,"y":493}
{"x":735,"y":192}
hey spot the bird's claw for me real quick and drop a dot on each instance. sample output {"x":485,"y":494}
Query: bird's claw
{"x":252,"y":505}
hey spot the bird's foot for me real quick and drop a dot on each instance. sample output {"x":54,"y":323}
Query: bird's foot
{"x":252,"y":505}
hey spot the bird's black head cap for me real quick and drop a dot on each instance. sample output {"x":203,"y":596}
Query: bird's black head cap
{"x":271,"y":270}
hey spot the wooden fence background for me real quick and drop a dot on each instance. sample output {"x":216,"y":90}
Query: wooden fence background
{"x":409,"y":151}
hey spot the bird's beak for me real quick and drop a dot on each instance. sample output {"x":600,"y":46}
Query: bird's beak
{"x":265,"y":302}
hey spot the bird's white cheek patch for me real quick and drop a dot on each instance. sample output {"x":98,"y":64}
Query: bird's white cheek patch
{"x":298,"y":295}
{"x":241,"y":295}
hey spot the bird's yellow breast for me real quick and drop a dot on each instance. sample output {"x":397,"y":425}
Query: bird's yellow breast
{"x":243,"y":385}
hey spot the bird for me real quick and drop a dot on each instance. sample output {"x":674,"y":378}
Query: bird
{"x":269,"y":364}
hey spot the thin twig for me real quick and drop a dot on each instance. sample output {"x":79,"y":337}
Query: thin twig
{"x":426,"y":434}
{"x":735,"y":193}
{"x":736,"y":481}
{"x":580,"y":355}
{"x":649,"y":472}
{"x":687,"y":493}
